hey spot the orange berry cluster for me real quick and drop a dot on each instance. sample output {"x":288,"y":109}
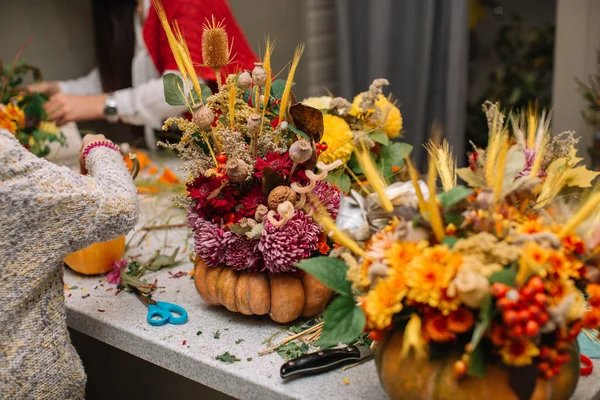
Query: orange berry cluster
{"x":524,"y":310}
{"x":321,"y":147}
{"x":552,"y":360}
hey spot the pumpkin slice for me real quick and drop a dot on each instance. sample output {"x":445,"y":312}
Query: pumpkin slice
{"x":210,"y":283}
{"x":97,"y":258}
{"x":260,"y":293}
{"x":242,"y":294}
{"x":287,"y":298}
{"x":200,"y":279}
{"x":316,"y":296}
{"x":226,"y":288}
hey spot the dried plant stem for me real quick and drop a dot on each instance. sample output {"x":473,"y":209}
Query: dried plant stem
{"x":358,"y":181}
{"x":312,"y":329}
{"x":167,"y":226}
{"x":218,"y":78}
{"x":361,"y":361}
{"x":212,"y":153}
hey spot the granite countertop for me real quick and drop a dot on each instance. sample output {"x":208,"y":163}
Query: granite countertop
{"x":119,"y":319}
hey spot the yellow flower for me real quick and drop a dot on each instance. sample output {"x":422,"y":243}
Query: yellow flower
{"x":533,"y":260}
{"x":383,"y":301}
{"x":401,"y":254}
{"x":430,"y":275}
{"x":519,"y":353}
{"x":8,"y":124}
{"x":320,"y":103}
{"x":338,"y":137}
{"x":391,"y":118}
{"x":12,"y":118}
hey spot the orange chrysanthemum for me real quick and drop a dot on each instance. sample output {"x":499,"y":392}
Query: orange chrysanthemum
{"x":531,"y":226}
{"x":460,"y":321}
{"x":519,"y":352}
{"x":591,"y":319}
{"x":437,"y":328}
{"x":383,"y":301}
{"x":15,"y":114}
{"x":429,"y":276}
{"x":322,"y":245}
{"x":8,"y":124}
{"x":401,"y":254}
{"x":593,"y":290}
{"x":564,"y":267}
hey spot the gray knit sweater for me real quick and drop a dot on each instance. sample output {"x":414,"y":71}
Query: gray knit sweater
{"x":47,"y":212}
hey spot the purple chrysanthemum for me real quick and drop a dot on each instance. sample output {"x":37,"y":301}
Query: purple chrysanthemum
{"x":242,"y":253}
{"x":193,"y":216}
{"x":329,"y":196}
{"x":284,"y":246}
{"x":209,"y":242}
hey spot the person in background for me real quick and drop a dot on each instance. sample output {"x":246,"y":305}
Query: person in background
{"x":47,"y":212}
{"x":132,"y":54}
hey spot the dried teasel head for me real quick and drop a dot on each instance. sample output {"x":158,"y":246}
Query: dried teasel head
{"x":215,"y":45}
{"x":301,"y":151}
{"x":203,"y":117}
{"x":259,"y":74}
{"x":280,"y":195}
{"x":245,"y":80}
{"x":237,"y":169}
{"x":254,"y":124}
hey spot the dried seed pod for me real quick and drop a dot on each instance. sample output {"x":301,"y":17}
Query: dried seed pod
{"x":279,"y":195}
{"x":253,"y":124}
{"x":301,"y":151}
{"x":203,"y":117}
{"x":259,"y":74}
{"x":215,"y":46}
{"x":245,"y":80}
{"x":237,"y":169}
{"x":261,"y":213}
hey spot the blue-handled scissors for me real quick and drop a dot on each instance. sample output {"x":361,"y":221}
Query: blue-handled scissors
{"x":161,"y":312}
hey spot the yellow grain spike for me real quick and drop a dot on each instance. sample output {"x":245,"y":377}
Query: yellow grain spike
{"x":414,"y":177}
{"x":539,"y":158}
{"x":269,"y":46}
{"x":285,"y":98}
{"x":162,"y":16}
{"x":584,"y":212}
{"x":434,"y":212}
{"x":232,"y":94}
{"x":499,"y":177}
{"x":532,"y":123}
{"x":187,"y":59}
{"x":375,"y":179}
{"x":444,"y":163}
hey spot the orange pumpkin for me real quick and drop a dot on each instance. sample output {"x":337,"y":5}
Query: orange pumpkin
{"x":434,"y":379}
{"x":97,"y":258}
{"x":283,"y":297}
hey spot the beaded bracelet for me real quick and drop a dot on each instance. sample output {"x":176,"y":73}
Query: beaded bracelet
{"x":99,"y":144}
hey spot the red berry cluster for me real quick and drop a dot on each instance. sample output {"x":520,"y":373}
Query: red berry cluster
{"x":321,"y":147}
{"x":552,"y":360}
{"x":524,"y":310}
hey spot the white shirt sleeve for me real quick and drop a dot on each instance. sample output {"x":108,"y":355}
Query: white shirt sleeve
{"x":145,"y":104}
{"x":86,"y":85}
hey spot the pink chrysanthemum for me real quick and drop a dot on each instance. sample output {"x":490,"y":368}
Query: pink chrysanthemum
{"x":114,"y":276}
{"x":242,"y":253}
{"x":284,"y":246}
{"x":209,"y":242}
{"x":329,"y":196}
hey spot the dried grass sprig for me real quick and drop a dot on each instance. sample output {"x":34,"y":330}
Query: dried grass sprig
{"x":445,"y":163}
{"x":285,"y":98}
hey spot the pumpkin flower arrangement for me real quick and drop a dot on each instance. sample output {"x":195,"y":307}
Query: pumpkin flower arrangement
{"x":494,"y":273}
{"x":254,"y":182}
{"x":371,"y":119}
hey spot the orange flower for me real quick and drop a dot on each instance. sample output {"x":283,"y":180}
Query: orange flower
{"x":437,"y":327}
{"x":497,"y":335}
{"x":401,"y":254}
{"x":148,"y":189}
{"x":429,"y":276}
{"x":460,"y":321}
{"x":322,"y":245}
{"x":15,"y":114}
{"x":591,"y":319}
{"x":564,"y":267}
{"x":8,"y":124}
{"x":519,"y":352}
{"x":531,"y":226}
{"x":383,"y":301}
{"x":168,"y":177}
{"x":593,"y":290}
{"x":574,"y":243}
{"x":142,"y":157}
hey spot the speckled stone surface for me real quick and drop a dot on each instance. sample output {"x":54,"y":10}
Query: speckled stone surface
{"x":120,"y":321}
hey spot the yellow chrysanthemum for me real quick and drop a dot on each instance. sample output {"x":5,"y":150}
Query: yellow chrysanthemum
{"x":519,"y":353}
{"x":564,"y":267}
{"x":400,"y":254}
{"x":430,"y":275}
{"x":338,"y":137}
{"x":383,"y":301}
{"x":391,"y":118}
{"x":533,"y":260}
{"x":16,"y":114}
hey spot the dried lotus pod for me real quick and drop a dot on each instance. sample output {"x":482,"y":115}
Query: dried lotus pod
{"x":237,"y":169}
{"x":203,"y":117}
{"x":259,"y":74}
{"x":245,"y":80}
{"x":301,"y":151}
{"x":280,"y":195}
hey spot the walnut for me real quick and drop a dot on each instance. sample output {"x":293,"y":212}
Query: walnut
{"x":279,"y":195}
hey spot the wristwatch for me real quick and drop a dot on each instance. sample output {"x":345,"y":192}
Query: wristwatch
{"x":110,"y":109}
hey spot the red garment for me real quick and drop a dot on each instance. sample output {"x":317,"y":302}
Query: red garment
{"x":191,"y":16}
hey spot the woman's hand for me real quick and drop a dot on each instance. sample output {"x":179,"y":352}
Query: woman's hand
{"x":47,"y":88}
{"x":63,"y":108}
{"x":85,"y":142}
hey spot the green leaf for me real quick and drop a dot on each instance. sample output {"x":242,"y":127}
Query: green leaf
{"x":227,"y":358}
{"x":353,"y":164}
{"x":162,"y":260}
{"x":344,"y":322}
{"x":330,"y":271}
{"x":277,"y":88}
{"x":380,"y":137}
{"x":292,"y":350}
{"x":298,"y":131}
{"x":453,"y":196}
{"x":340,"y":180}
{"x":206,"y":93}
{"x":173,"y":88}
{"x":453,"y":218}
{"x":506,"y":276}
{"x":450,"y":241}
{"x":477,"y":362}
{"x":217,"y":334}
{"x":239,"y":341}
{"x":397,"y":152}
